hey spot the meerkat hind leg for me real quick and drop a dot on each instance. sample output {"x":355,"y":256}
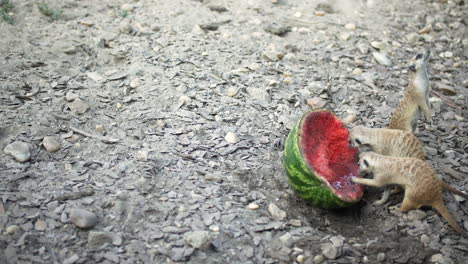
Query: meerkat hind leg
{"x":385,"y":196}
{"x":407,"y":205}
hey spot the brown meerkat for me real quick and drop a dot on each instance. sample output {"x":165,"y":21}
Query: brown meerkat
{"x":422,"y":187}
{"x":388,"y":142}
{"x":391,"y":142}
{"x":416,"y":98}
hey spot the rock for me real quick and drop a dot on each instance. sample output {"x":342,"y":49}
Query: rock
{"x":416,"y":215}
{"x":357,"y":71}
{"x":320,"y":13}
{"x":319,"y":259}
{"x":350,"y":26}
{"x":345,"y":36}
{"x":83,"y":218}
{"x":232,"y":91}
{"x":78,"y":106}
{"x":12,"y":229}
{"x":50,"y":144}
{"x":134,"y":83}
{"x":381,"y":257}
{"x":231,"y":138}
{"x":277,"y":29}
{"x":253,"y":206}
{"x":436,"y":104}
{"x":126,"y":7}
{"x":382,"y":59}
{"x":300,"y":259}
{"x":325,"y":7}
{"x":349,"y":119}
{"x":286,"y":239}
{"x":97,"y":239}
{"x":72,"y":259}
{"x":363,"y":48}
{"x":99,"y":128}
{"x":425,"y":239}
{"x":430,"y":151}
{"x":216,"y":7}
{"x":378,"y":45}
{"x":412,"y":37}
{"x":425,"y":30}
{"x":276,"y":213}
{"x":329,"y":251}
{"x":198,"y":239}
{"x":40,"y":225}
{"x":316,"y":102}
{"x":18,"y":150}
{"x":446,"y":89}
{"x":295,"y":222}
{"x":70,"y":96}
{"x":441,"y":259}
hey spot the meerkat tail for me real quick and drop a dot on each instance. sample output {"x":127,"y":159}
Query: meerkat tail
{"x":455,"y":191}
{"x":440,"y":207}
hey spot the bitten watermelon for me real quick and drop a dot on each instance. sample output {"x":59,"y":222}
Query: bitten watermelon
{"x":320,"y":163}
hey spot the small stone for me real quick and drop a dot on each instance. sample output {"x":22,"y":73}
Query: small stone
{"x":319,"y":259}
{"x":465,"y":225}
{"x":83,"y":218}
{"x":430,"y":151}
{"x":126,"y":7}
{"x":50,"y":144}
{"x":232,"y":91}
{"x":72,"y":259}
{"x":381,"y":257}
{"x":378,"y":45}
{"x":231,"y":138}
{"x":329,"y":251}
{"x":286,"y":239}
{"x":320,"y":13}
{"x":316,"y":102}
{"x":97,"y":239}
{"x":11,"y":229}
{"x":277,"y":29}
{"x":117,"y":240}
{"x":70,"y":96}
{"x":425,"y":30}
{"x":100,"y":128}
{"x":295,"y":222}
{"x":276,"y":213}
{"x":350,"y":26}
{"x":416,"y":215}
{"x":288,"y":80}
{"x":345,"y":36}
{"x":357,"y":71}
{"x":425,"y":239}
{"x":216,"y":7}
{"x":413,"y":37}
{"x":40,"y":225}
{"x":134,"y":83}
{"x":458,"y":198}
{"x":363,"y":48}
{"x":198,"y":239}
{"x":270,"y":55}
{"x":382,"y":59}
{"x":458,"y":118}
{"x":447,"y":54}
{"x":300,"y":259}
{"x":78,"y":106}
{"x":214,"y":228}
{"x":441,"y":259}
{"x":18,"y":150}
{"x":445,"y":88}
{"x":253,"y":206}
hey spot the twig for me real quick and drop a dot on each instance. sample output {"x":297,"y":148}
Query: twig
{"x":446,"y":100}
{"x":108,"y":140}
{"x":74,"y":195}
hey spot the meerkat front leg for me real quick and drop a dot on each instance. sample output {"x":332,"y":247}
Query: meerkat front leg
{"x":427,"y":112}
{"x":369,"y":182}
{"x":385,"y":196}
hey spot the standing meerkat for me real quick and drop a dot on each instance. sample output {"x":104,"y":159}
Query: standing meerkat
{"x":416,"y":98}
{"x":422,"y":188}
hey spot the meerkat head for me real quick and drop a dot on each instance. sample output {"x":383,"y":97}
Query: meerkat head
{"x":419,"y":61}
{"x":366,"y":163}
{"x":357,"y":137}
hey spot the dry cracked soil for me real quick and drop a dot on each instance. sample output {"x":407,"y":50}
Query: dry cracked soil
{"x":153,"y":131}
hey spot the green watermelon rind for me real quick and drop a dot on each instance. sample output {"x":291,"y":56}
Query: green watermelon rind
{"x":308,"y":184}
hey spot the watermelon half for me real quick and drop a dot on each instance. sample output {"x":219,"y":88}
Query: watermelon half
{"x":320,"y":163}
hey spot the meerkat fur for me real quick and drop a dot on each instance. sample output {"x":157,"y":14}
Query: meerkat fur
{"x":416,"y":97}
{"x":422,"y":188}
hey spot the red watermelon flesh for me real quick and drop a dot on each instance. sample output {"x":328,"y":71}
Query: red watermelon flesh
{"x":324,"y":144}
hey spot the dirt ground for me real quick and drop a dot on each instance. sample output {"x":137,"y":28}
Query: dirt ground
{"x":171,"y":118}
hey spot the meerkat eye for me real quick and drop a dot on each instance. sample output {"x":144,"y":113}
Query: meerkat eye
{"x":366,"y":163}
{"x":419,"y":56}
{"x":358,"y":141}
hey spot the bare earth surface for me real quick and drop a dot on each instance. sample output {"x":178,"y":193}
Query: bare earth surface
{"x":171,"y":118}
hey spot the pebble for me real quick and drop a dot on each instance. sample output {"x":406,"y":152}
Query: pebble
{"x":40,"y":225}
{"x":465,"y":225}
{"x":316,"y":102}
{"x":300,"y":259}
{"x":100,"y":128}
{"x":288,"y":80}
{"x":320,"y":13}
{"x":277,"y":29}
{"x":425,"y":30}
{"x":425,"y":239}
{"x":11,"y":229}
{"x":363,"y":48}
{"x":440,"y":259}
{"x":253,"y":206}
{"x":295,"y":222}
{"x":98,"y":238}
{"x":329,"y":251}
{"x":50,"y":144}
{"x":350,"y":26}
{"x":18,"y":150}
{"x":72,"y":259}
{"x":286,"y":239}
{"x":319,"y":259}
{"x":381,"y":257}
{"x":83,"y":218}
{"x":430,"y":151}
{"x":345,"y":36}
{"x":416,"y":215}
{"x":134,"y":83}
{"x":378,"y":45}
{"x":231,"y":138}
{"x":270,"y":55}
{"x":70,"y":96}
{"x":412,"y":37}
{"x":126,"y":7}
{"x":382,"y":59}
{"x":231,"y":91}
{"x":198,"y":239}
{"x":276,"y":213}
{"x":357,"y":71}
{"x":78,"y":106}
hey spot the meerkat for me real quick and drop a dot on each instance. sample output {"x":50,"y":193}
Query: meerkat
{"x":388,"y":142}
{"x":416,"y":98}
{"x":391,"y":142}
{"x":422,"y":188}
